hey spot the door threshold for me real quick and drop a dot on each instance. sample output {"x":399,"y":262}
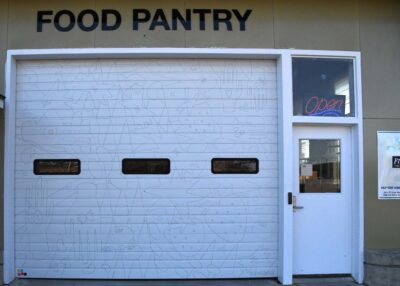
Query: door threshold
{"x":322,"y":276}
{"x":324,"y":279}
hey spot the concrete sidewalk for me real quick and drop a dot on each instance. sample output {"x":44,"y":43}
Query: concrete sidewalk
{"x":340,"y":281}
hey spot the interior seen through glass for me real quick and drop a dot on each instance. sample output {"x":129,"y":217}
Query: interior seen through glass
{"x":319,"y":165}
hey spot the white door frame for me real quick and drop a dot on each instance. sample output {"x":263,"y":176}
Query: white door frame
{"x":285,"y":127}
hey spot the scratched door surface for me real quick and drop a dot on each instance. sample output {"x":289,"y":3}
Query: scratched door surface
{"x":189,"y":223}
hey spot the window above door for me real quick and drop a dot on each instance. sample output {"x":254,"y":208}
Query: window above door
{"x":323,"y":87}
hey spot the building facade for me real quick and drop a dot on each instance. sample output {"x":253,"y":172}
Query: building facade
{"x":197,"y":139}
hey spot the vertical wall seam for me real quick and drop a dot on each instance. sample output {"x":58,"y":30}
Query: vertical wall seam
{"x":273,"y":23}
{"x":7,"y":22}
{"x":95,"y":32}
{"x":185,"y":32}
{"x":358,"y":23}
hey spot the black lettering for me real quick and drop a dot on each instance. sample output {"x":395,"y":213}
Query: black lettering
{"x":94,"y":24}
{"x":185,"y":22}
{"x":202,"y":17}
{"x":159,"y":19}
{"x":41,"y":21}
{"x":71,"y":17}
{"x":105,"y":26}
{"x":137,"y":19}
{"x":222,"y":16}
{"x":242,"y":18}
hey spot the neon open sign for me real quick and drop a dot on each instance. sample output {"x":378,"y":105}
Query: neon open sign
{"x":324,"y":105}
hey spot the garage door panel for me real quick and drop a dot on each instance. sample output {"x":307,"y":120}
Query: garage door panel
{"x":146,"y":121}
{"x":147,"y":237}
{"x":104,"y":248}
{"x":188,"y":224}
{"x":138,"y":228}
{"x":140,"y":201}
{"x":184,"y":174}
{"x":145,"y":182}
{"x":121,"y":211}
{"x":139,"y":75}
{"x":251,"y":212}
{"x":164,"y":111}
{"x":217,"y":111}
{"x":121,"y":85}
{"x":50,"y":209}
{"x":216,"y":137}
{"x":179,"y":172}
{"x":49,"y":190}
{"x":148,"y":104}
{"x":71,"y":219}
{"x":115,"y":165}
{"x":161,"y":178}
{"x":136,"y":262}
{"x":147,"y":202}
{"x":101,"y":152}
{"x":91,"y":191}
{"x":149,"y":273}
{"x":150,"y":254}
{"x":147,"y":129}
{"x":102,"y":198}
{"x":144,"y":65}
{"x":148,"y":94}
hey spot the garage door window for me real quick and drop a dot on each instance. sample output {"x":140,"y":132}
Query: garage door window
{"x":146,"y":166}
{"x":57,"y":167}
{"x":234,"y":166}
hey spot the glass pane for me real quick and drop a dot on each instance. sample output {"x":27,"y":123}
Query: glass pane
{"x":234,"y":166}
{"x":57,"y":167}
{"x":323,"y":87}
{"x":145,"y":166}
{"x":319,"y":166}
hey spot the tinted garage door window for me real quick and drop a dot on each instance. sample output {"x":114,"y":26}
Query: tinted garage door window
{"x":189,"y":223}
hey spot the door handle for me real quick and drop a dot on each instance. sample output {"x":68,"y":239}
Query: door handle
{"x":295,"y":206}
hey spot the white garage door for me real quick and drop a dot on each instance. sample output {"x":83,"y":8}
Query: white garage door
{"x":191,"y":223}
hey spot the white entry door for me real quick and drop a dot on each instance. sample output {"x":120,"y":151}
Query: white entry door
{"x":322,"y":200}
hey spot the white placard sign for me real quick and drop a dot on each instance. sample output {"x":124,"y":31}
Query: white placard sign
{"x":306,"y":170}
{"x":388,"y":165}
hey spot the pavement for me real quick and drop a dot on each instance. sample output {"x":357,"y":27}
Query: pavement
{"x":331,"y":281}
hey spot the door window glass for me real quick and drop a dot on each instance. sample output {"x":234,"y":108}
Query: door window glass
{"x":319,"y":166}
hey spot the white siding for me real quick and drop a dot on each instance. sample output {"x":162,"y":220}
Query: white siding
{"x":188,"y":224}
